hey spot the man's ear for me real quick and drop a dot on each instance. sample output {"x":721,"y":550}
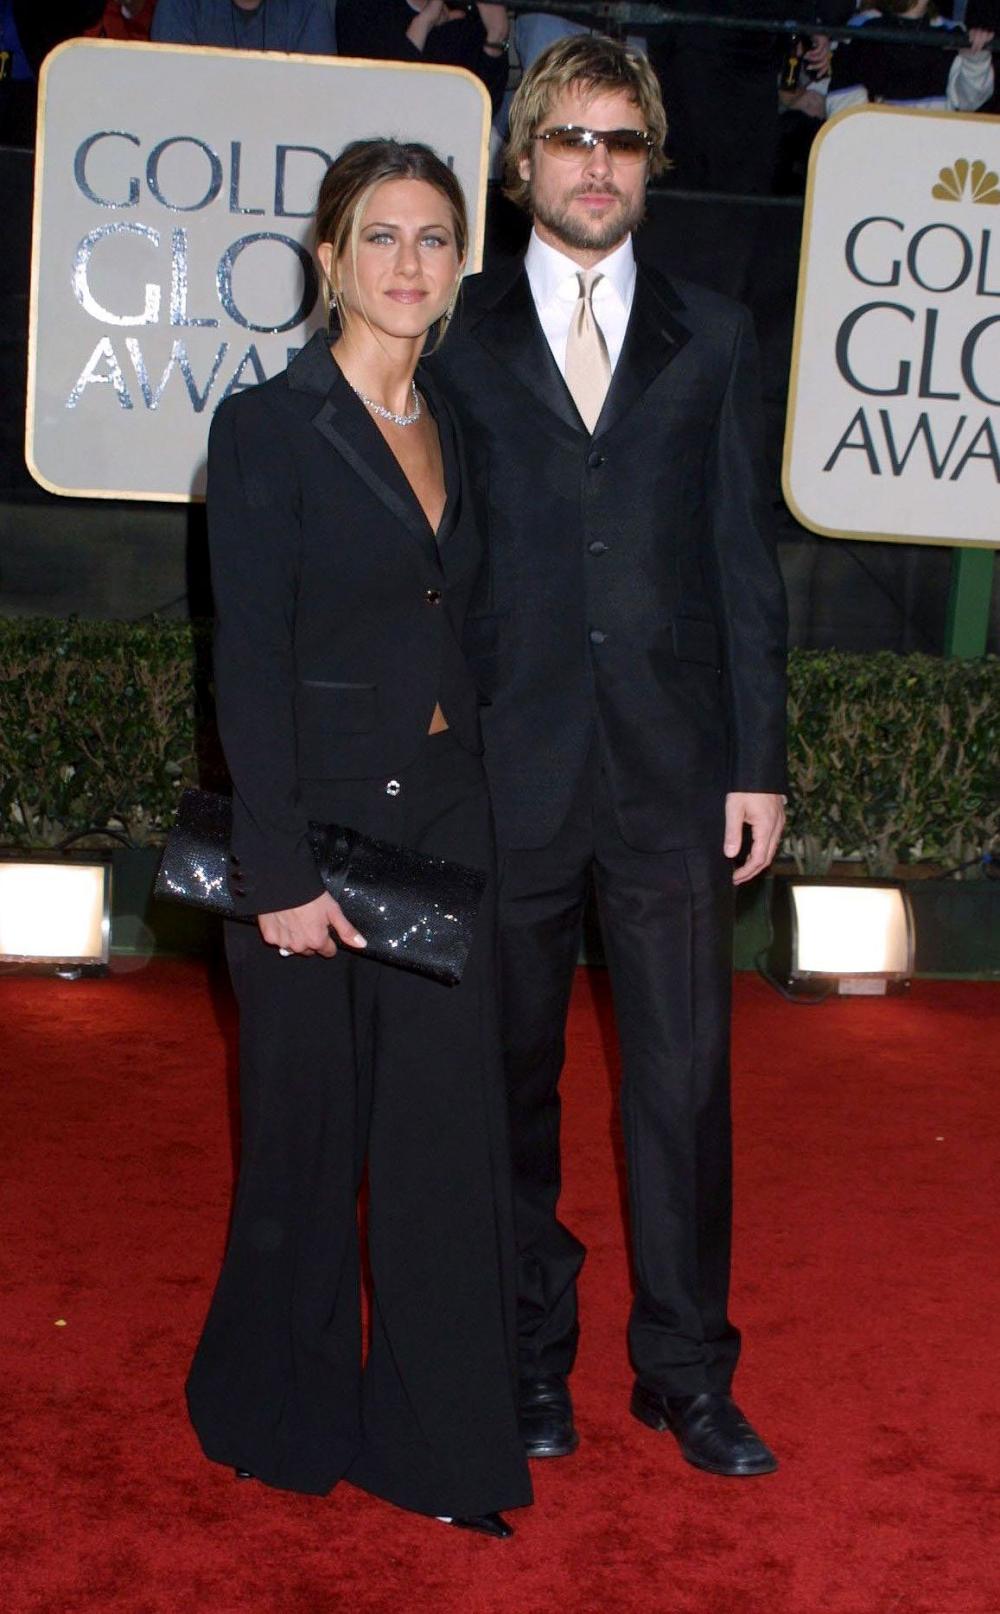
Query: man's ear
{"x":524,"y":168}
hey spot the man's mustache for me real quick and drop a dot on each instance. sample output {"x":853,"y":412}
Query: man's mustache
{"x":599,"y":190}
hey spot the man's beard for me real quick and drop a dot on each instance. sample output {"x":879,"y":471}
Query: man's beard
{"x":590,"y":235}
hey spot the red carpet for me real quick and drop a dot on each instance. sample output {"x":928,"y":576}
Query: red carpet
{"x":866,"y":1283}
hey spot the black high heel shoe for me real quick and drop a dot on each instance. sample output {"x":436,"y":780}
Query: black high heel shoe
{"x":485,"y":1524}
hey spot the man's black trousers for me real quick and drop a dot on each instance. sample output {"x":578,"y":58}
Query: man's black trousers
{"x":666,"y":919}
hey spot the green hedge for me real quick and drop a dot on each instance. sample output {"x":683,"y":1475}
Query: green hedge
{"x":101,"y":725}
{"x":893,"y":758}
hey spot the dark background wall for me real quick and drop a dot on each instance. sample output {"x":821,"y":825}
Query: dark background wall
{"x":101,"y":558}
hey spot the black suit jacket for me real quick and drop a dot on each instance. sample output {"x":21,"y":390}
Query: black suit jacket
{"x":338,"y":614}
{"x":632,"y":588}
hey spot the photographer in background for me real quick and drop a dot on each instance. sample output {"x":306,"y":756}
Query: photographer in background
{"x":720,"y":87}
{"x":802,"y":85}
{"x":305,"y":26}
{"x":982,"y":14}
{"x":476,"y":37}
{"x":912,"y":75}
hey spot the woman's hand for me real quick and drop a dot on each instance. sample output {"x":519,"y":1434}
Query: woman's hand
{"x":979,"y":38}
{"x":495,"y":21}
{"x":432,"y":14}
{"x":306,"y":930}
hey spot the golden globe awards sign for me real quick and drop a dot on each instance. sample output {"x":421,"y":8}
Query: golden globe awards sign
{"x":894,"y":403}
{"x":172,"y":261}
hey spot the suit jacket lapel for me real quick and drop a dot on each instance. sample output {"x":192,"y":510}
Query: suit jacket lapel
{"x":449,"y":456}
{"x":346,"y":424}
{"x":653,"y":338}
{"x":511,"y":332}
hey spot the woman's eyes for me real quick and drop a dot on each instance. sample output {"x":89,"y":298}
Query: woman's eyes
{"x":381,"y":238}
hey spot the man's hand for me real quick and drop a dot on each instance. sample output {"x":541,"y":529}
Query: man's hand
{"x":819,"y":56}
{"x":766,"y":816}
{"x":306,"y":930}
{"x":810,"y":102}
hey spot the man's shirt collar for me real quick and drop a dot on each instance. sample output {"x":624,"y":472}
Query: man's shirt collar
{"x":552,"y":275}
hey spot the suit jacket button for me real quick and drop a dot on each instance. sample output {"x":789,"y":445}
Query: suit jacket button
{"x":596,"y":547}
{"x":393,"y":787}
{"x":432,"y":596}
{"x":596,"y":636}
{"x":595,"y":461}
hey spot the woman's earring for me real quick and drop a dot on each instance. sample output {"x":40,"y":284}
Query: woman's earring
{"x":333,"y":301}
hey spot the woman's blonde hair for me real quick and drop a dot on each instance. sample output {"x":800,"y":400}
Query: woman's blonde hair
{"x":591,"y":62}
{"x":347,"y":188}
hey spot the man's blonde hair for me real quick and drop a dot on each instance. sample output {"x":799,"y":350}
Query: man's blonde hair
{"x":593,"y":63}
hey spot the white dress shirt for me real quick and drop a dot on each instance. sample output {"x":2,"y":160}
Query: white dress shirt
{"x":555,"y":287}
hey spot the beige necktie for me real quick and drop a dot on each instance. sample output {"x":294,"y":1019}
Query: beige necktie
{"x":588,"y":368}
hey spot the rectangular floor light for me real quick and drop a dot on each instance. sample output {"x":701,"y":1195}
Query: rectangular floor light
{"x":854,"y":935}
{"x":55,"y":911}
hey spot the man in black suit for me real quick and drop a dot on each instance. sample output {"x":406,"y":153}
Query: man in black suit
{"x":630,"y":640}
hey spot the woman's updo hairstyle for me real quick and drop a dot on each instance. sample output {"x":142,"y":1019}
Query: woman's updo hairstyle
{"x":347,"y":188}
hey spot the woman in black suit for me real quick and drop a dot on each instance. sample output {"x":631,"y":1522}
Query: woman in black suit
{"x":343,"y":557}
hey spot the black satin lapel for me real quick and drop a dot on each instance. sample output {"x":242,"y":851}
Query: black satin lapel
{"x":653,"y":338}
{"x":511,"y":331}
{"x":449,"y":456}
{"x":359,"y":441}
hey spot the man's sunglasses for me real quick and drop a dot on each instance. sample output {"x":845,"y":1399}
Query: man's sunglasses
{"x":622,"y":145}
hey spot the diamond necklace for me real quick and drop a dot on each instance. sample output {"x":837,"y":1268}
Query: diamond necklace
{"x":390,"y":414}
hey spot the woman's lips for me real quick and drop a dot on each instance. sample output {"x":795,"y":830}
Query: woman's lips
{"x":407,"y":296}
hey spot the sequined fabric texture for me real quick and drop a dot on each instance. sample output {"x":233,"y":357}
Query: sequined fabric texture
{"x":414,"y":911}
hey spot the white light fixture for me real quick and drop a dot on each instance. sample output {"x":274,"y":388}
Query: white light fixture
{"x":55,"y":911}
{"x":857,"y":934}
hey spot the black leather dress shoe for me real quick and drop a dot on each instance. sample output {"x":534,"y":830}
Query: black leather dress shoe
{"x":710,"y":1430}
{"x":545,"y":1417}
{"x":485,"y":1524}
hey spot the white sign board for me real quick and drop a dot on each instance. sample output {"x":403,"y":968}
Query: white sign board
{"x":893,"y":425}
{"x":172,"y":259}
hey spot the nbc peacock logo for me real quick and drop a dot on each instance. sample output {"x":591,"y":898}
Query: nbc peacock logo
{"x":968,"y":181}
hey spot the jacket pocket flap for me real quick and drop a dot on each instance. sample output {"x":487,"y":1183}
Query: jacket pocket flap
{"x":696,"y":641}
{"x":323,"y":707}
{"x":480,"y":633}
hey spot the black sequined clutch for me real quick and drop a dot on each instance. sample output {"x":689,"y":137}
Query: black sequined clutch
{"x":415,"y":911}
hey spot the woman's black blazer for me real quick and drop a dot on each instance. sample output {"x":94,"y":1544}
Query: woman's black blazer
{"x":338,"y":612}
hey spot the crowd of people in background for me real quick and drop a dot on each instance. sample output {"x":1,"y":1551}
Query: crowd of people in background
{"x":744,"y":105}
